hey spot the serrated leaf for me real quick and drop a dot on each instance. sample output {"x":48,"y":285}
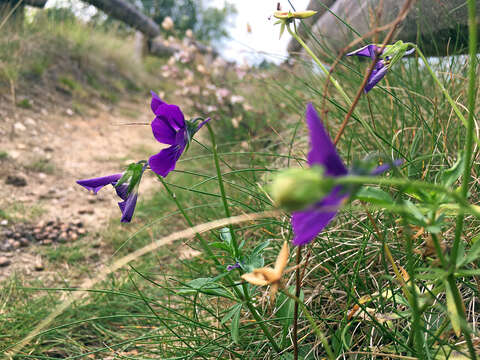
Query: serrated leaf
{"x":374,"y":195}
{"x":235,"y":326}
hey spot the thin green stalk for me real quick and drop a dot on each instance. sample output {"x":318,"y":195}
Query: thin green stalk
{"x":245,"y":296}
{"x":222,"y":187}
{"x":319,"y":63}
{"x":310,"y":319}
{"x":472,"y":27}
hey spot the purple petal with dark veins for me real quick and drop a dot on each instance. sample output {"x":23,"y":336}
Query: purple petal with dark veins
{"x":172,"y":115}
{"x":163,"y":131}
{"x":375,"y":77}
{"x":96,"y":184}
{"x":165,"y":161}
{"x":156,"y":102}
{"x":382,"y":168}
{"x":234,"y":266}
{"x":309,"y":223}
{"x":128,"y":207}
{"x":322,"y":151}
{"x":366,"y":51}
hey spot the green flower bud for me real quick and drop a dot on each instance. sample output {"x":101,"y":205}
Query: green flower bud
{"x":295,"y":189}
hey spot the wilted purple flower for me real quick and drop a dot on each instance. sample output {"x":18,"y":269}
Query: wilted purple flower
{"x":169,"y":127}
{"x":127,"y":206}
{"x":307,"y":224}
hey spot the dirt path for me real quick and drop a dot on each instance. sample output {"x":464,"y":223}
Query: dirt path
{"x":46,"y":151}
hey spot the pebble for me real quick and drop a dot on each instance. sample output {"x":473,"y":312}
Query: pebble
{"x":30,"y":122}
{"x":69,"y":112}
{"x":4,"y":261}
{"x":39,"y":265}
{"x":4,"y":222}
{"x":18,"y":126}
{"x":16,"y":180}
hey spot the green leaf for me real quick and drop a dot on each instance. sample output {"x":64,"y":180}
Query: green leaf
{"x":222,"y":246}
{"x":472,"y":255}
{"x":416,"y":216}
{"x":452,"y":174}
{"x":235,"y":326}
{"x":230,"y":313}
{"x":453,"y":314}
{"x":374,"y":195}
{"x":258,"y":249}
{"x":205,"y":286}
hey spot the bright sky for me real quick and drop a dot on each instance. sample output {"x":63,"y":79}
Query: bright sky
{"x":263,"y":41}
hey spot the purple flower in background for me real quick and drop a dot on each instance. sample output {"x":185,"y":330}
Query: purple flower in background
{"x":234,"y":266}
{"x":169,"y":127}
{"x":383,"y":62}
{"x":127,"y":206}
{"x":380,"y":69}
{"x":307,"y":224}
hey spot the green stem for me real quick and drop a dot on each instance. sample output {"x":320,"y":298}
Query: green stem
{"x":472,"y":27}
{"x":319,"y":63}
{"x":245,"y":296}
{"x":222,"y":187}
{"x":310,"y":319}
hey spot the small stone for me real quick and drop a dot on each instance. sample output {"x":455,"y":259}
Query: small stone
{"x":39,"y":265}
{"x":48,"y":149}
{"x":16,"y":244}
{"x":17,"y":235}
{"x":30,"y":122}
{"x":81,"y":231}
{"x":46,"y":242}
{"x":69,"y":112}
{"x":19,"y":127}
{"x":16,"y":180}
{"x":73,"y":236}
{"x":4,"y":222}
{"x":85,"y":211}
{"x":4,"y":261}
{"x":42,"y":176}
{"x":23,"y":242}
{"x":21,"y":146}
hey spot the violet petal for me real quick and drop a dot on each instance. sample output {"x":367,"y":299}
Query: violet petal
{"x":96,"y":184}
{"x":156,"y":101}
{"x":366,"y":51}
{"x":128,"y":207}
{"x":163,"y":131}
{"x":202,"y":123}
{"x":309,"y":223}
{"x":172,"y":115}
{"x":165,"y":161}
{"x":322,"y":151}
{"x":384,"y":167}
{"x":375,"y":77}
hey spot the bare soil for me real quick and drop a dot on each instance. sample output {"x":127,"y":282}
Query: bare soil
{"x":45,"y":149}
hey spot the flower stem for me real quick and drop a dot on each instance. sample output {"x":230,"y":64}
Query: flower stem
{"x":222,"y":187}
{"x":319,"y":63}
{"x":310,"y":319}
{"x":298,"y":284}
{"x":245,"y":296}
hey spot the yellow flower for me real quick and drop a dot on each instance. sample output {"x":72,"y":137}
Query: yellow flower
{"x":268,"y":276}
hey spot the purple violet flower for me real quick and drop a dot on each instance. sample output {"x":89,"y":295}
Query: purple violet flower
{"x":382,"y":65}
{"x":234,"y":266}
{"x":127,"y":206}
{"x":169,"y":127}
{"x":380,"y":69}
{"x":307,"y":224}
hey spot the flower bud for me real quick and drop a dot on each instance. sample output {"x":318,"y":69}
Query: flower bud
{"x":295,"y":189}
{"x":286,"y":15}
